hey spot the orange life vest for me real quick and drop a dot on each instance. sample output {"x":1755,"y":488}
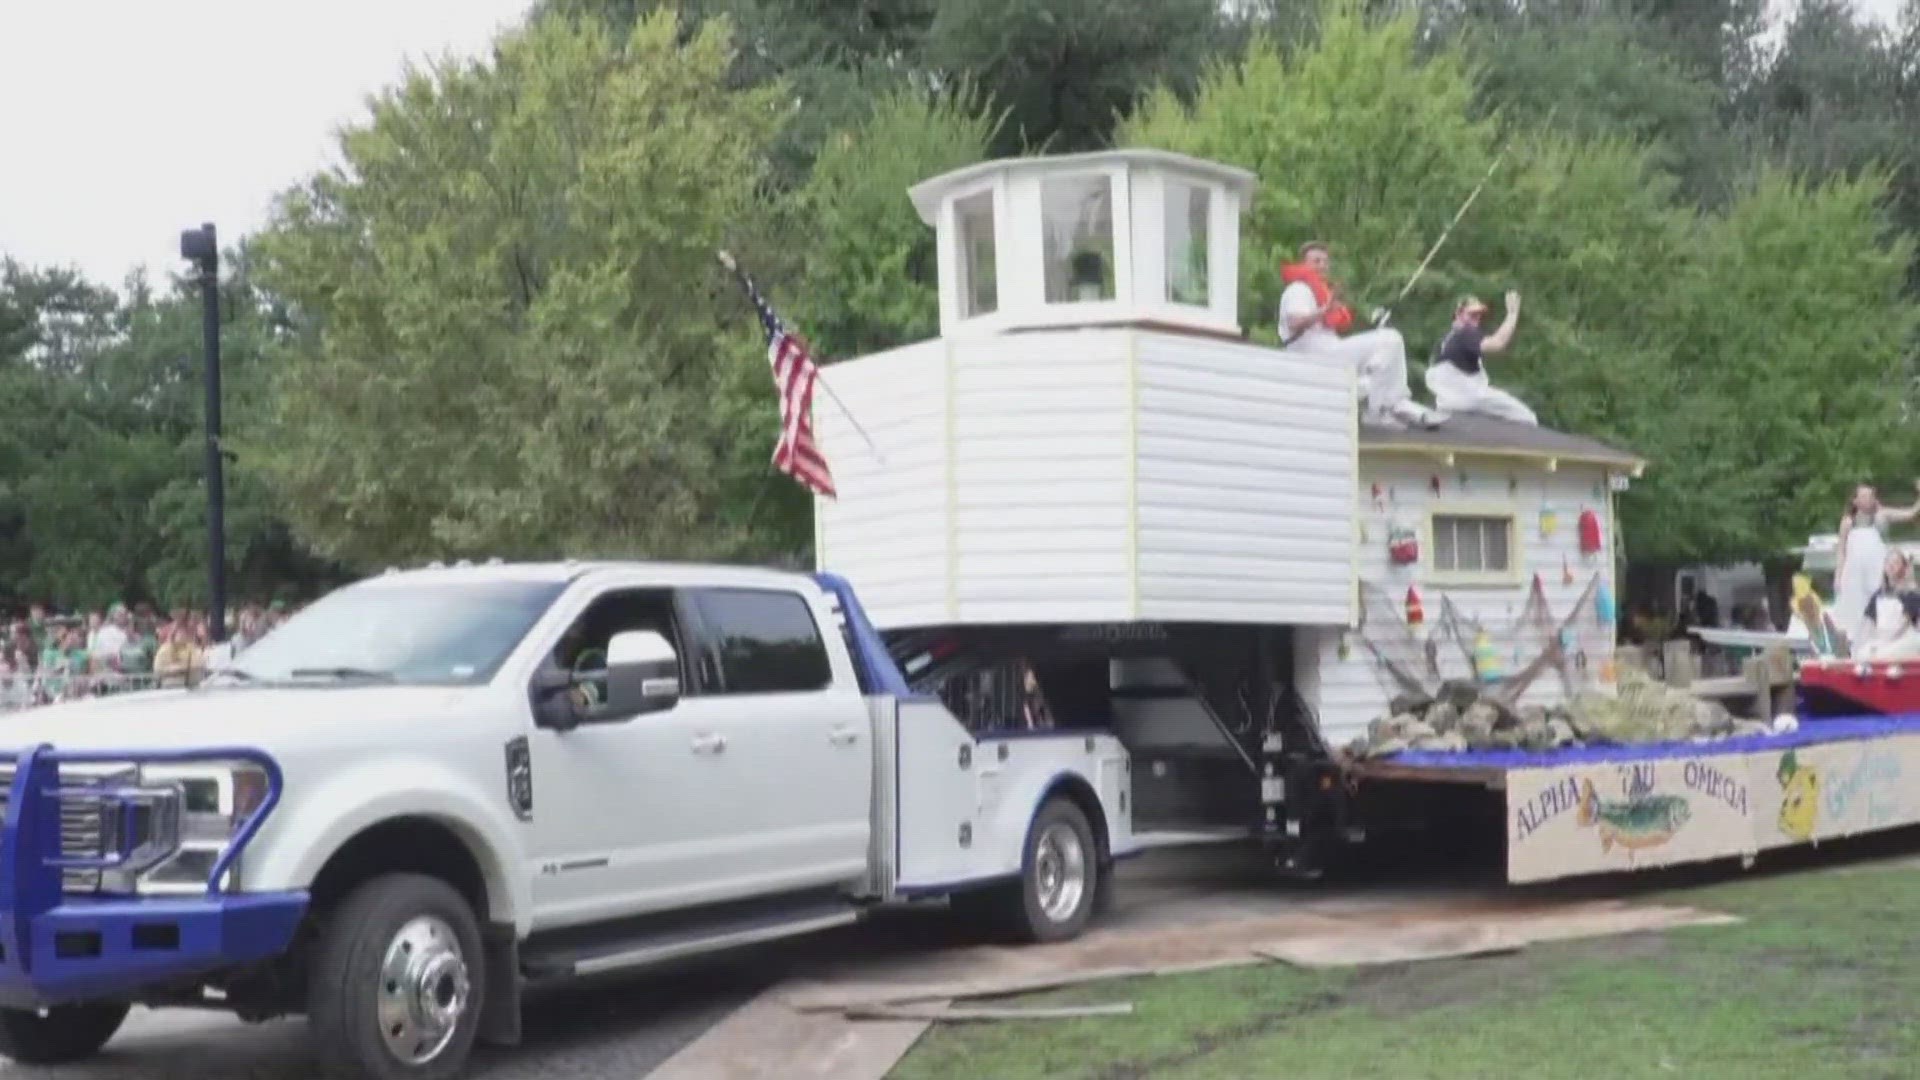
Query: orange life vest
{"x":1339,"y":318}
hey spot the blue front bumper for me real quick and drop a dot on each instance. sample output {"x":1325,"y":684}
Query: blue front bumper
{"x":57,"y":948}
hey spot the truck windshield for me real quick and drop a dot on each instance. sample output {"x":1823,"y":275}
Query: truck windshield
{"x":430,"y":634}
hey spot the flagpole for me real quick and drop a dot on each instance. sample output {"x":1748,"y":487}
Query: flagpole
{"x":820,"y":378}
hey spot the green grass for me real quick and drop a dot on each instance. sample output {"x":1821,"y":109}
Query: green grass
{"x":1821,"y":980}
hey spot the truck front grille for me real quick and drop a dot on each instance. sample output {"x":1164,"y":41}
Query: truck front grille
{"x":84,"y":834}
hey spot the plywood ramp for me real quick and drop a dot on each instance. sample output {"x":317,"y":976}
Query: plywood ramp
{"x":799,"y":1029}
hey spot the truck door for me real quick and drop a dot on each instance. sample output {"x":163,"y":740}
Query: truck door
{"x":629,"y":815}
{"x":799,"y":753}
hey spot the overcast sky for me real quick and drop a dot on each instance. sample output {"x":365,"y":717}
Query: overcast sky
{"x":124,"y":121}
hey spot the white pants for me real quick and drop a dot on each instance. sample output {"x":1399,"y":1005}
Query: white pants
{"x":1380,"y":359}
{"x":1455,"y":391}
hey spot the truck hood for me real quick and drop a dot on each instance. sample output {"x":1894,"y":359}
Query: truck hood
{"x":268,"y":718}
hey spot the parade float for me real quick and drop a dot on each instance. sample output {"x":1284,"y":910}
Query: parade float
{"x":1092,"y":502}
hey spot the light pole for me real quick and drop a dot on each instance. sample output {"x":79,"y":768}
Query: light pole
{"x":201,"y":247}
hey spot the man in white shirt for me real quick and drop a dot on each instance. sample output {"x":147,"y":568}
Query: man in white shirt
{"x":111,"y":638}
{"x":1311,"y":320}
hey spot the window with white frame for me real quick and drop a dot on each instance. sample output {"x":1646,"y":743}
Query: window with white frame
{"x":1188,"y":207}
{"x":973,"y":230}
{"x":1473,"y":545}
{"x":1077,"y":215}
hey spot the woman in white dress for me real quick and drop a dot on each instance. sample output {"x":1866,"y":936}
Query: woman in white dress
{"x":1862,"y":557}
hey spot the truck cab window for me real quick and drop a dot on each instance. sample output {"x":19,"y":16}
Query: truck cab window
{"x":767,"y":641}
{"x":583,"y":648}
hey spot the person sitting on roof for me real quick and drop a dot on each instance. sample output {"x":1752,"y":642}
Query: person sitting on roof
{"x":1892,"y":626}
{"x":1458,"y":375}
{"x":1312,"y":320}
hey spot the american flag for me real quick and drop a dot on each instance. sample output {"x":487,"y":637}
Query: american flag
{"x":794,"y":375}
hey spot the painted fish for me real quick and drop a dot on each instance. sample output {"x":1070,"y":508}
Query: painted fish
{"x":1643,"y":821}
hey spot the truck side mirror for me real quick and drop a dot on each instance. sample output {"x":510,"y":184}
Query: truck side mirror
{"x":643,"y":674}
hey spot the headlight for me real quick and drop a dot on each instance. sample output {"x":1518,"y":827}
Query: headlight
{"x":174,"y":843}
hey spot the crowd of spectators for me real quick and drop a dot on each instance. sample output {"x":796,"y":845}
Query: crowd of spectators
{"x":49,"y":656}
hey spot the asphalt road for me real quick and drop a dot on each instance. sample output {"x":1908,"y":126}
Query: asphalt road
{"x":622,"y":1027}
{"x":618,"y":1029}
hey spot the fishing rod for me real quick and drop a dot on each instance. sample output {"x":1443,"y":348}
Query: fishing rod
{"x":1382,"y":316}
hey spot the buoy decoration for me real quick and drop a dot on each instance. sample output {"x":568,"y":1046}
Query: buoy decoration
{"x":1486,"y":660}
{"x":1590,"y":543}
{"x":1434,"y":483}
{"x":1603,"y":605}
{"x":1415,"y":613}
{"x":1403,"y":547}
{"x":1549,"y":522}
{"x":1566,"y":571}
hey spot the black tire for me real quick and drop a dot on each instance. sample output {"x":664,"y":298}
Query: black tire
{"x":1044,"y":913}
{"x":66,"y":1033}
{"x":347,"y":985}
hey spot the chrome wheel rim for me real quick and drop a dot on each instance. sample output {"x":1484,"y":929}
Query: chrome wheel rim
{"x":424,"y":990}
{"x":1060,"y":871}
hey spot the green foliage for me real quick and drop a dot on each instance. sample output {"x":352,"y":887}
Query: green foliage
{"x":1775,"y":330}
{"x":1065,"y":70}
{"x":102,"y":451}
{"x":870,"y":281}
{"x":1356,"y":140}
{"x":515,"y":338}
{"x":1799,"y":331}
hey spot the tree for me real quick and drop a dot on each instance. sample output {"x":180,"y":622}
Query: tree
{"x":1796,"y":337}
{"x":1839,"y":99}
{"x":1357,"y":141}
{"x":870,"y":282}
{"x":831,"y":58}
{"x":1720,"y":347}
{"x":513,"y":336}
{"x":102,"y":495}
{"x":1064,"y":71}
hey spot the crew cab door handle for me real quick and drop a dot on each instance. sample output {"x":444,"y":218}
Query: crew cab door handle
{"x":708,"y":744}
{"x":844,"y":735}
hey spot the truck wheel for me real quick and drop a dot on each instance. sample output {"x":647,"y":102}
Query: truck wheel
{"x":59,"y":1035}
{"x":1061,"y":875}
{"x":397,"y":981}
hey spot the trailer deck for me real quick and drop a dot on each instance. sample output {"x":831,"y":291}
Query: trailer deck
{"x":1605,"y":809}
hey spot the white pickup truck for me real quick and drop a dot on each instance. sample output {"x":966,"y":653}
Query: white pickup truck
{"x":433,"y":790}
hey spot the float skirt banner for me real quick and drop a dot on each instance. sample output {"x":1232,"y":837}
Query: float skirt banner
{"x":1607,"y":817}
{"x":1604,"y":818}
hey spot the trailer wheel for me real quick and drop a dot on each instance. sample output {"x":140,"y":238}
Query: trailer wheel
{"x":57,"y":1036}
{"x":1060,"y":879}
{"x":397,"y":981}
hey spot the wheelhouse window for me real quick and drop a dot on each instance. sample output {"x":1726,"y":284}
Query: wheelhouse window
{"x":1187,"y":213}
{"x":1077,"y":214}
{"x":979,"y":282}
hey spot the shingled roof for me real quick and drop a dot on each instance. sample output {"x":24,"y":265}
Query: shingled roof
{"x":1498,"y":438}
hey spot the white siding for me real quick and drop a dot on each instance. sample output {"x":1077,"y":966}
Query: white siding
{"x":1245,"y":473}
{"x":1040,"y":425}
{"x":1091,"y":476}
{"x":887,"y":532}
{"x":1350,"y":693}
